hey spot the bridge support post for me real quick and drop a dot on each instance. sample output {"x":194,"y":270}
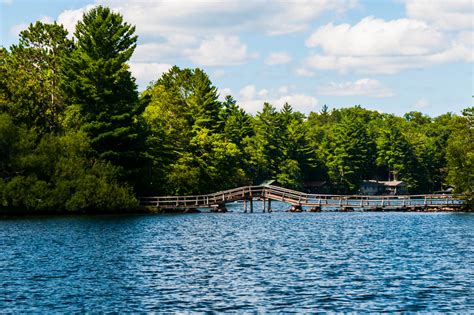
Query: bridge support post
{"x":269,"y":205}
{"x":245,"y":205}
{"x":264,"y":204}
{"x":251,"y":205}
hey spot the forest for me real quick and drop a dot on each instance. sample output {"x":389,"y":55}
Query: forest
{"x":77,"y":136}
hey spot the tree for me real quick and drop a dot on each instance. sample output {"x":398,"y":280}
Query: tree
{"x":349,"y":156}
{"x":32,"y":92}
{"x":99,"y":82}
{"x":397,"y":155}
{"x":237,"y":123}
{"x":460,"y":154}
{"x":56,"y":174}
{"x":192,"y":134}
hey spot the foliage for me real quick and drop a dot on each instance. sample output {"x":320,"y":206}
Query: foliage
{"x":31,"y":72}
{"x":460,"y":154}
{"x":99,"y":83}
{"x":56,"y":173}
{"x":75,"y":134}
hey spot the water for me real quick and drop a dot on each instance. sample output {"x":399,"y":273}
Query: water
{"x":278,"y":262}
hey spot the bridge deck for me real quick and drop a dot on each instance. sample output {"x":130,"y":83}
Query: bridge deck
{"x":300,"y":199}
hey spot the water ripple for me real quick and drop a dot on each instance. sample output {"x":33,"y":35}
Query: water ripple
{"x":279,"y":262}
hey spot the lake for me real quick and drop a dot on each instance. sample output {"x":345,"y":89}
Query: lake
{"x":274,"y":262}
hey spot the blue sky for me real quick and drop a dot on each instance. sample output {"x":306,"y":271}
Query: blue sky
{"x":391,"y":56}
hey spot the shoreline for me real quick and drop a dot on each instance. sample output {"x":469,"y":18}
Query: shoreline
{"x":155,"y":211}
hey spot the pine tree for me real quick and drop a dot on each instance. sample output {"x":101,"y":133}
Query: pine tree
{"x":31,"y":77}
{"x":100,"y":83}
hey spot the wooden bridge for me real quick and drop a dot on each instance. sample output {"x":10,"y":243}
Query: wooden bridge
{"x":300,"y":201}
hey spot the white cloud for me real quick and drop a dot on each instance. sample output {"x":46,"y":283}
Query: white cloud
{"x":6,"y":1}
{"x":278,"y":58}
{"x":284,"y":89}
{"x":203,"y":17}
{"x":202,"y":30}
{"x":219,"y":50}
{"x":365,"y":87}
{"x":69,"y":18}
{"x":223,"y":93}
{"x":283,"y":16}
{"x":375,"y":37}
{"x":218,"y":73}
{"x":16,"y":29}
{"x":248,"y":92}
{"x":147,"y":72}
{"x":252,"y":99}
{"x":263,"y":93}
{"x":447,"y":14}
{"x":304,"y":72}
{"x":168,"y":48}
{"x":299,"y":102}
{"x":421,"y":103}
{"x":386,"y":47}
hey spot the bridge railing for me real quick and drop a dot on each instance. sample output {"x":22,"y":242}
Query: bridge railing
{"x":298,"y":198}
{"x":204,"y":200}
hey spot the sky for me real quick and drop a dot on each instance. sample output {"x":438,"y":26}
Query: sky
{"x":393,"y":56}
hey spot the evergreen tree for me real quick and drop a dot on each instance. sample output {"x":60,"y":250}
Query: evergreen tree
{"x":398,"y":157}
{"x":31,"y":77}
{"x":99,"y":82}
{"x":460,"y":154}
{"x":349,"y":155}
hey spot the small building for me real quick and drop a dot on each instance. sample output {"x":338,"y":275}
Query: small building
{"x":375,"y":187}
{"x":371,"y":187}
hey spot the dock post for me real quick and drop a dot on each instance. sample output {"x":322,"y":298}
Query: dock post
{"x":269,"y":205}
{"x":264,"y":204}
{"x":251,"y":205}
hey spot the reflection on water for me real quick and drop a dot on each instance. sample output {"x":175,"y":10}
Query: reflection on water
{"x":245,"y":262}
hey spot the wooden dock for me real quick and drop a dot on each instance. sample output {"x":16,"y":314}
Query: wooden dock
{"x":300,"y":201}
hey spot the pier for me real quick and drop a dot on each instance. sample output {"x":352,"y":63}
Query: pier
{"x":299,"y":201}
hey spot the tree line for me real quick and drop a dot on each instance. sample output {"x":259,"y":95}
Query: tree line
{"x":75,"y":134}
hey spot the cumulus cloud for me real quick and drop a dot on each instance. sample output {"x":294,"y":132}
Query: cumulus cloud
{"x":278,"y":58}
{"x":375,"y":37}
{"x":219,"y":50}
{"x":167,"y":48}
{"x":248,"y":92}
{"x":147,"y":72}
{"x":304,"y":72}
{"x":378,"y":46}
{"x":17,"y":28}
{"x":252,"y":99}
{"x":272,"y":17}
{"x":223,"y":92}
{"x":449,"y":15}
{"x":166,"y":26}
{"x":69,"y":18}
{"x":366,"y":87}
